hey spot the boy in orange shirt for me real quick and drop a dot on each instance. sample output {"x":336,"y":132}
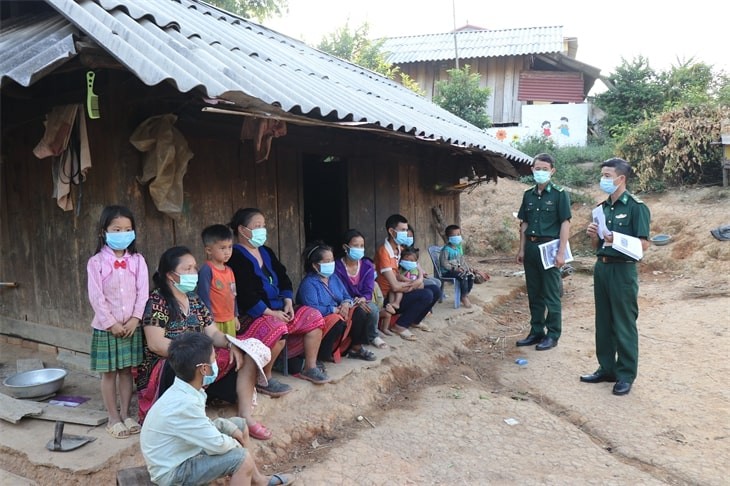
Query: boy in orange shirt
{"x":216,"y":282}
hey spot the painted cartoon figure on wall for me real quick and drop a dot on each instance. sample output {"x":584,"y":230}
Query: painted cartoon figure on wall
{"x":564,"y":128}
{"x":546,"y":129}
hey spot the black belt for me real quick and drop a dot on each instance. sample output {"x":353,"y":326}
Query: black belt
{"x":608,"y":259}
{"x":541,"y":239}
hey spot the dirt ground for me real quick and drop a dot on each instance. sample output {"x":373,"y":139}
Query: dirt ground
{"x":454,"y":408}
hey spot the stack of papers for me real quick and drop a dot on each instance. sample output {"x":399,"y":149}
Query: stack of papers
{"x":549,"y":250}
{"x":628,"y":245}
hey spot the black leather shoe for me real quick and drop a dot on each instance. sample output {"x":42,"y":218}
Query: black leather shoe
{"x":621,"y":388}
{"x":596,"y":378}
{"x":546,"y":343}
{"x":530,"y":340}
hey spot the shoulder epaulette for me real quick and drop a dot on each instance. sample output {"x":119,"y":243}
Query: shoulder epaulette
{"x":558,"y":188}
{"x":636,"y":198}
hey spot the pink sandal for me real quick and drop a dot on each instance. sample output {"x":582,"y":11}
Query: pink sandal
{"x":258,"y":431}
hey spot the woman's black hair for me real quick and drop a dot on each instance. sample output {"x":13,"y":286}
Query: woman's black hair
{"x":313,"y":253}
{"x":243,"y":217}
{"x":109,"y":214}
{"x":347,"y":238}
{"x":169,"y":261}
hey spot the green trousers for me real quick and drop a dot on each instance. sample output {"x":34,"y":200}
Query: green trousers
{"x":616,"y":290}
{"x":543,"y":294}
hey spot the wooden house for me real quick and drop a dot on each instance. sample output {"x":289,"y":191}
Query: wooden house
{"x":520,"y":66}
{"x":348,"y":147}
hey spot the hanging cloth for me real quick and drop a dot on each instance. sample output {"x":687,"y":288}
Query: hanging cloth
{"x":165,"y":161}
{"x":262,"y":131}
{"x":72,"y":157}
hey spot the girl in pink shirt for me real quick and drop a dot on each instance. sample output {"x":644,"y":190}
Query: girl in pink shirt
{"x":118,"y":291}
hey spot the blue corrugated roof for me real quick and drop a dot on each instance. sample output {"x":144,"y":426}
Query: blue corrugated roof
{"x":198,"y":47}
{"x":474,"y":44}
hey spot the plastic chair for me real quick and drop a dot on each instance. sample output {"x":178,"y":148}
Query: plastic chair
{"x":434,"y":252}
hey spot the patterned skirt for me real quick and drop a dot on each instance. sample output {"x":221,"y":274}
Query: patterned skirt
{"x":111,"y":353}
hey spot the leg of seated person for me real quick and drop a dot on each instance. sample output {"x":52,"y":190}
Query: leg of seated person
{"x":415,"y":306}
{"x":312,"y":340}
{"x":276,"y":350}
{"x":435,"y":290}
{"x":204,"y":468}
{"x":245,"y":384}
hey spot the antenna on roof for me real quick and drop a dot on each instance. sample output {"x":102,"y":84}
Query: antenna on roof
{"x":456,"y":46}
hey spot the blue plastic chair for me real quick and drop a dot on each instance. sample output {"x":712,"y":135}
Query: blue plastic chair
{"x":434,"y":252}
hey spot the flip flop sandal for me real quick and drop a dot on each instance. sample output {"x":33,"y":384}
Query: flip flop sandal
{"x":422,"y":327}
{"x":379,"y":343}
{"x":132,"y":426}
{"x":407,"y":335}
{"x":118,"y":431}
{"x":258,"y":431}
{"x":280,"y":480}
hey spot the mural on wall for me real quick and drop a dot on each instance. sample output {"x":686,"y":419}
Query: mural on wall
{"x":564,"y":124}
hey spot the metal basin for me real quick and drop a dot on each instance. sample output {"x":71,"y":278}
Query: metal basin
{"x":35,"y":383}
{"x":661,"y":240}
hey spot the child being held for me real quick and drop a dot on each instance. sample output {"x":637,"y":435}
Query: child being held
{"x":216,"y":282}
{"x":408,"y":271}
{"x":454,"y":265}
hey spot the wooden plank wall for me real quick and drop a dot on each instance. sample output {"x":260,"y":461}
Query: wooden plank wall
{"x":500,"y":74}
{"x":46,"y":249}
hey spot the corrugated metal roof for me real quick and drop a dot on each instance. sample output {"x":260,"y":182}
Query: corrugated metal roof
{"x":474,"y":44}
{"x":198,"y":47}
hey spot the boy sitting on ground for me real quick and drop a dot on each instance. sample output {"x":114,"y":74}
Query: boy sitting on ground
{"x":180,"y":444}
{"x":454,"y":265}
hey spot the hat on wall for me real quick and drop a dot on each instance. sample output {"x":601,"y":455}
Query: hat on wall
{"x":260,"y":353}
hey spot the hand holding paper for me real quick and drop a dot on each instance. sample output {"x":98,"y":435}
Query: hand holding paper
{"x":600,"y":219}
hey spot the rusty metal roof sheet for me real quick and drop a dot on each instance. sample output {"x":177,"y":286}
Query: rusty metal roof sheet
{"x":198,"y":47}
{"x":474,"y":44}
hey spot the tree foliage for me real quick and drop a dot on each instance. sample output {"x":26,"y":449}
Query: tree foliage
{"x":253,"y":9}
{"x":354,"y":45}
{"x":636,"y":95}
{"x":462,"y":96}
{"x":675,"y":148}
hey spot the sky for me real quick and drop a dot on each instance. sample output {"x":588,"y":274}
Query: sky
{"x":663,"y":32}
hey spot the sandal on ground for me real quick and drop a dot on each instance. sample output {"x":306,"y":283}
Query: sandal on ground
{"x":378,"y":342}
{"x":362,"y":354}
{"x":281,"y":480}
{"x":258,"y":431}
{"x":132,"y":426}
{"x":274,"y":389}
{"x":118,"y":431}
{"x":423,"y":327}
{"x":315,"y":375}
{"x":405,"y":334}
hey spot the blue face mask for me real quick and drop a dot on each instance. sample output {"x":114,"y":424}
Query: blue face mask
{"x":408,"y":265}
{"x":188,"y":282}
{"x":210,"y":379}
{"x":608,"y":186}
{"x":401,"y":237}
{"x":120,"y":240}
{"x":258,"y":237}
{"x":541,"y":176}
{"x":327,"y":269}
{"x":455,"y":240}
{"x":356,"y":253}
{"x":409,"y":241}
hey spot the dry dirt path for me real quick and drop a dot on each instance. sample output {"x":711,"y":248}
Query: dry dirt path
{"x":674,"y":427}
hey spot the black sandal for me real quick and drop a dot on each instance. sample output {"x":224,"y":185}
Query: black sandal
{"x":362,"y":354}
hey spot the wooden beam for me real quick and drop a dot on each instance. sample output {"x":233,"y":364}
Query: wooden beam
{"x":43,"y":333}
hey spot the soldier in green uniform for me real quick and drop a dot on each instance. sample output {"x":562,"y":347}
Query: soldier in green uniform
{"x":615,"y":280}
{"x":545,"y":216}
